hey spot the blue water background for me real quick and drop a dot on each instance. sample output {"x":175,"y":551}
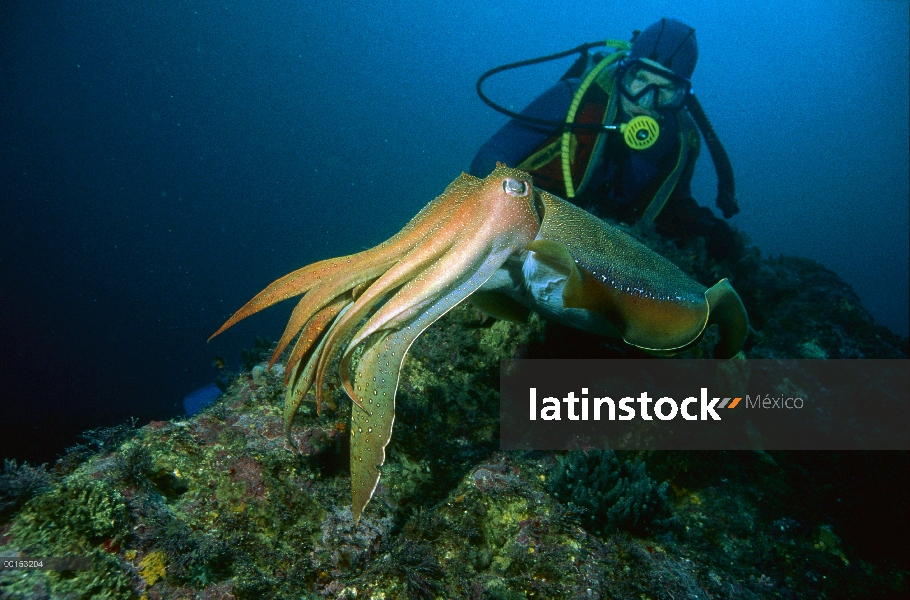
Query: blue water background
{"x":161,"y":162}
{"x":196,"y":401}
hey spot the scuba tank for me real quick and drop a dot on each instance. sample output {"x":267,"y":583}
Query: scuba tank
{"x":639,"y":133}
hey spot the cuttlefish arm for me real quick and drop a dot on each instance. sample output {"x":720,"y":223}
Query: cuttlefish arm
{"x":382,"y":299}
{"x":376,"y":382}
{"x":587,"y":274}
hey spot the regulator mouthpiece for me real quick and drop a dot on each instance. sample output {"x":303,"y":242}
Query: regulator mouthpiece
{"x":640,"y":133}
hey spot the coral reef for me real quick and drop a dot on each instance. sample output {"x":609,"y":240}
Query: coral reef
{"x":220,"y":506}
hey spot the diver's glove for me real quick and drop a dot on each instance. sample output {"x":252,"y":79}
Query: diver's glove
{"x":726,"y":202}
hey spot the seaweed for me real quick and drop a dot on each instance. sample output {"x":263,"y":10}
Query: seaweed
{"x":80,"y":517}
{"x":18,"y":484}
{"x":609,"y":494}
{"x":107,"y":439}
{"x":193,"y":557}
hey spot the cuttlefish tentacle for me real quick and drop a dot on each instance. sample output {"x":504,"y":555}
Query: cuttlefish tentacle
{"x":462,"y":275}
{"x":313,"y":330}
{"x":317,"y":299}
{"x":300,"y":373}
{"x":377,"y":376}
{"x":292,"y":284}
{"x":418,"y":259}
{"x":464,"y":260}
{"x":471,"y":230}
{"x":327,"y":279}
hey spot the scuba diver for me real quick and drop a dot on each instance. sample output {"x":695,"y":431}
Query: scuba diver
{"x":617,"y":136}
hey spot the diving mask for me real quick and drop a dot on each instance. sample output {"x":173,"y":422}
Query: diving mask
{"x":653,"y":87}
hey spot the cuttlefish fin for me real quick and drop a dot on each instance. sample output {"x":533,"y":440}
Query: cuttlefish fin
{"x":500,"y":306}
{"x":726,"y":309}
{"x":376,"y":382}
{"x":659,"y":326}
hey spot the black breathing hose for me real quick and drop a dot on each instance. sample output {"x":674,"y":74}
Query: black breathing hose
{"x":726,"y":186}
{"x":533,"y":120}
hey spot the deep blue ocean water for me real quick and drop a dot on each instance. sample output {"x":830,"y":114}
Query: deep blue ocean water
{"x":161,"y":162}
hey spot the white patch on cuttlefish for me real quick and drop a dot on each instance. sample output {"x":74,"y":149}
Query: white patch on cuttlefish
{"x":539,"y":287}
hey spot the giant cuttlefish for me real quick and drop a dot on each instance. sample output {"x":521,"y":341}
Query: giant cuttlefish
{"x":508,"y":246}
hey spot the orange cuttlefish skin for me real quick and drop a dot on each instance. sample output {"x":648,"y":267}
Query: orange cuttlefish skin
{"x":503,"y":243}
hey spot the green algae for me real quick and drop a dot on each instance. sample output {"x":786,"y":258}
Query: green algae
{"x":80,"y":517}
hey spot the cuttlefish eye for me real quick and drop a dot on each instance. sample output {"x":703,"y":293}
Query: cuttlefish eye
{"x":515,"y":187}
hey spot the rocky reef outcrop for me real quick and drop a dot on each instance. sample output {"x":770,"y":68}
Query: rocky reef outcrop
{"x":220,"y":506}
